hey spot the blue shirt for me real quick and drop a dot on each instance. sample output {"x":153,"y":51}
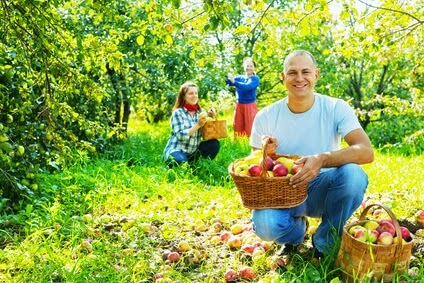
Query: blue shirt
{"x":245,"y":88}
{"x":180,"y":140}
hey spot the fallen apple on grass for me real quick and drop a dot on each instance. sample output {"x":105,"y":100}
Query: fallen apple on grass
{"x":420,"y":217}
{"x":247,"y":272}
{"x":173,"y":256}
{"x":183,"y":246}
{"x":236,"y":228}
{"x":234,"y":242}
{"x":230,"y":275}
{"x":225,"y":235}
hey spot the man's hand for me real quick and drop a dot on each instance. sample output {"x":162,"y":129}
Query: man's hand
{"x":270,"y":144}
{"x":311,"y":167}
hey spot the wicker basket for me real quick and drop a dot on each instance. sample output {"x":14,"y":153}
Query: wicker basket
{"x":359,"y":260}
{"x":216,"y":129}
{"x":268,"y":192}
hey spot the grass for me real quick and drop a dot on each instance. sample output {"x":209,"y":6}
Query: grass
{"x":111,"y":219}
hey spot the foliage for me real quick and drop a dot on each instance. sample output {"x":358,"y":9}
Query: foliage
{"x":71,"y":72}
{"x":92,"y":222}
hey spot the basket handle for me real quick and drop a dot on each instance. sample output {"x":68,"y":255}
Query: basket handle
{"x":265,"y":143}
{"x":213,"y":112}
{"x":392,"y":217}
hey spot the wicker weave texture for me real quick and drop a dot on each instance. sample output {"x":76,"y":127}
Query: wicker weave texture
{"x":215,"y":130}
{"x":268,"y":192}
{"x":360,"y":260}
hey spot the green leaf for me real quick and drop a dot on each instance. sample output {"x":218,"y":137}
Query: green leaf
{"x":140,"y":40}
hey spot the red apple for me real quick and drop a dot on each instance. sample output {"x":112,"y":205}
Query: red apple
{"x":230,"y":275}
{"x":385,"y":238}
{"x":360,"y":235}
{"x":248,"y":249}
{"x":406,"y":234}
{"x":255,"y":170}
{"x":247,"y":272}
{"x":280,"y":170}
{"x":173,"y":256}
{"x":225,"y":235}
{"x":165,"y":254}
{"x":354,"y":228}
{"x":386,"y":226}
{"x":269,"y":163}
{"x":372,"y":236}
{"x":296,"y":168}
{"x":420,"y":216}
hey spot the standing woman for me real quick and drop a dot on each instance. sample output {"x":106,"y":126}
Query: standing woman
{"x":185,"y":143}
{"x":246,"y":107}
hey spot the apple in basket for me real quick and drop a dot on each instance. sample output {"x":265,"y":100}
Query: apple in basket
{"x":296,"y":168}
{"x":279,"y":170}
{"x":385,"y":238}
{"x":269,"y":163}
{"x":255,"y":170}
{"x":288,"y":162}
{"x":386,"y":226}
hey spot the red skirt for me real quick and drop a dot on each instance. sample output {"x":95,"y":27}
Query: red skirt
{"x":243,"y":118}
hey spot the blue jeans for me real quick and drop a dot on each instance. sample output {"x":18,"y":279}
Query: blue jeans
{"x":206,"y":149}
{"x":333,"y":196}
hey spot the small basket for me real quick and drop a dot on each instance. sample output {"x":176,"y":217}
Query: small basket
{"x":216,"y":129}
{"x":359,"y":260}
{"x":263,"y":191}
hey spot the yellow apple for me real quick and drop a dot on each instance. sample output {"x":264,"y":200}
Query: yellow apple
{"x":241,"y":168}
{"x":252,"y":159}
{"x":371,"y":224}
{"x":286,"y":162}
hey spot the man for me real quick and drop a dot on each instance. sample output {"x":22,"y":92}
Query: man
{"x":312,"y":125}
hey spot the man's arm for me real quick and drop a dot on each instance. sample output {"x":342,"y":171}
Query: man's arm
{"x":359,"y":151}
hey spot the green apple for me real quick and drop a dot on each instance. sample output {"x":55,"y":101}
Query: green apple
{"x":354,"y":228}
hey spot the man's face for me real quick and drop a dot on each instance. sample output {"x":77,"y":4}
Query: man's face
{"x":300,"y":75}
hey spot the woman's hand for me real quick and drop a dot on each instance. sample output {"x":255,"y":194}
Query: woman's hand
{"x":231,"y":78}
{"x":202,"y":121}
{"x":212,"y":112}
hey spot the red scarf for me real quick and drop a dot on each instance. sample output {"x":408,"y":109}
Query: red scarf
{"x":190,"y":107}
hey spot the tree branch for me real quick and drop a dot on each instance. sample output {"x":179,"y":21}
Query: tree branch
{"x":392,"y":10}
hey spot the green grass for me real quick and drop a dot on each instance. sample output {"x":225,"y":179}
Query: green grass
{"x":139,"y":208}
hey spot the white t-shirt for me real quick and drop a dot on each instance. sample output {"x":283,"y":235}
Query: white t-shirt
{"x":317,"y":130}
